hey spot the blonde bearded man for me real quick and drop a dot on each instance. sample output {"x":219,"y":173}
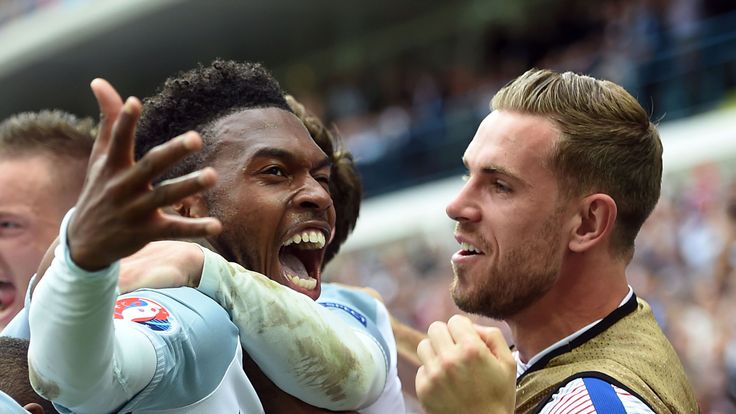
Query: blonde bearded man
{"x":561,"y":176}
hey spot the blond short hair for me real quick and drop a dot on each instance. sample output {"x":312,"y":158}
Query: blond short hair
{"x":607,"y":142}
{"x":47,"y":132}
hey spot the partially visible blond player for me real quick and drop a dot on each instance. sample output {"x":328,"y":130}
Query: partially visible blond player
{"x":43,"y":161}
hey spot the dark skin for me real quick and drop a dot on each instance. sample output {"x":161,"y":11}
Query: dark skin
{"x":118,"y":195}
{"x":119,"y":210}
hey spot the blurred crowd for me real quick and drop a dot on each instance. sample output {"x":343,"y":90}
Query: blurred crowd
{"x":686,"y":253}
{"x":685,"y":262}
{"x":685,"y":267}
{"x":672,"y":54}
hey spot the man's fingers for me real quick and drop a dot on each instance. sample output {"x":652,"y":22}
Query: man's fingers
{"x":171,"y":191}
{"x":178,"y":227}
{"x":495,"y":341}
{"x":161,"y":158}
{"x":421,"y":382}
{"x":440,"y":336}
{"x":121,"y":146}
{"x":462,"y":329}
{"x":425,"y":352}
{"x":157,"y":161}
{"x":110,"y":104}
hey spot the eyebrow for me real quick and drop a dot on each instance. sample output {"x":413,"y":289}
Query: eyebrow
{"x":288,"y":157}
{"x":494,"y":169}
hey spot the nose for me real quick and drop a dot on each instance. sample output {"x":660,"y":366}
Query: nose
{"x":464,"y":207}
{"x":314,"y":196}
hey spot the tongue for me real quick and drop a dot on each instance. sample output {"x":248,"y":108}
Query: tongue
{"x":7,"y":294}
{"x":293,"y":265}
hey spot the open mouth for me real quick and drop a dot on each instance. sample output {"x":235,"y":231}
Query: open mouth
{"x":7,"y":295}
{"x":301,"y":260}
{"x":467,"y":249}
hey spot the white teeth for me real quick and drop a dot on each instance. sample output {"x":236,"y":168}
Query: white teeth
{"x":314,"y":240}
{"x":308,"y":284}
{"x":469,"y":247}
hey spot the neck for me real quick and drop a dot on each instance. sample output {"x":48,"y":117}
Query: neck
{"x":586,"y":291}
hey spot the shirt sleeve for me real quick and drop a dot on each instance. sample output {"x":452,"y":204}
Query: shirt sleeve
{"x":594,"y":395}
{"x":9,"y":405}
{"x":305,"y":349}
{"x":365,"y":313}
{"x":79,"y":358}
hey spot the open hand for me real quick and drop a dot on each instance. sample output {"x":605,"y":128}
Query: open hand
{"x":119,"y":210}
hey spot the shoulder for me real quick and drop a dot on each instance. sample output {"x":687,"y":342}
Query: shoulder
{"x":594,"y":395}
{"x":192,"y":337}
{"x":360,"y":311}
{"x":359,"y":304}
{"x":9,"y":405}
{"x":177,"y":315}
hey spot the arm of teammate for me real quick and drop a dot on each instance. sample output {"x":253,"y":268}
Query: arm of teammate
{"x":307,"y":350}
{"x":78,"y":357}
{"x":306,"y":364}
{"x":406,"y":338}
{"x":162,"y":264}
{"x":466,"y":368}
{"x":363,"y":306}
{"x":75,"y":343}
{"x":407,"y":341}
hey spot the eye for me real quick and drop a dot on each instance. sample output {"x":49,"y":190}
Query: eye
{"x":9,"y":227}
{"x":275,"y":170}
{"x":323,"y":179}
{"x":501,"y":187}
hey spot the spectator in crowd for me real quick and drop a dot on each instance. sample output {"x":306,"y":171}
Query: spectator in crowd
{"x":726,"y":262}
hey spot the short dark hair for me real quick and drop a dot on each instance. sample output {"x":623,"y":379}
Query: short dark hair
{"x":195,"y":99}
{"x":48,"y":132}
{"x":14,"y":379}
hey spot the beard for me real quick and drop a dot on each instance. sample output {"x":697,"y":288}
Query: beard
{"x":520,"y":279}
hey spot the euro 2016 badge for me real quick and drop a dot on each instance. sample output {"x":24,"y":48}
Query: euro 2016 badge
{"x":145,"y":312}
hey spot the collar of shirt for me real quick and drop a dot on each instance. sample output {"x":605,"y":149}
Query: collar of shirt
{"x":521,"y":366}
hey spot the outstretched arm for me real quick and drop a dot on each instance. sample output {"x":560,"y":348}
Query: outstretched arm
{"x":407,"y":340}
{"x":78,"y":358}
